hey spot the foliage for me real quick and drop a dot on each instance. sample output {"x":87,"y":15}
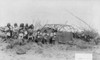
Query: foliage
{"x":91,"y":33}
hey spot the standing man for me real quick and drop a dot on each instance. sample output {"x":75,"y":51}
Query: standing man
{"x":30,"y":33}
{"x":21,"y":34}
{"x":8,"y":30}
{"x":15,"y":31}
{"x":26,"y":31}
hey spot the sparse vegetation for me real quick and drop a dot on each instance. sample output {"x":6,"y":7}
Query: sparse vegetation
{"x":65,"y":41}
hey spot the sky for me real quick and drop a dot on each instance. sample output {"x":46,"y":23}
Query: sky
{"x":50,"y":11}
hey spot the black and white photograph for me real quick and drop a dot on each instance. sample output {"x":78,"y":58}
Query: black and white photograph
{"x":49,"y":29}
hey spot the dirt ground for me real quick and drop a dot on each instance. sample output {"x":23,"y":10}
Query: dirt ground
{"x":48,"y":52}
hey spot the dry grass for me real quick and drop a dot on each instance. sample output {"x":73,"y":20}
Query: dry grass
{"x":47,"y":52}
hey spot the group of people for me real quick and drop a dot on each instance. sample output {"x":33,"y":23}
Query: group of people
{"x":26,"y":33}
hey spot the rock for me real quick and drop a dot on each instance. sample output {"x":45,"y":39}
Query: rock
{"x":39,"y":51}
{"x":27,"y":47}
{"x":21,"y":51}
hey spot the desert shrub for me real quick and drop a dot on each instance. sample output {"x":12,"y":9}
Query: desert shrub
{"x":91,"y":33}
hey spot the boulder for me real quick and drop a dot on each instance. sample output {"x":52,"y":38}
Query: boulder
{"x":20,"y":51}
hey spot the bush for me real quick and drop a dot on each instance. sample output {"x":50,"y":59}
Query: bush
{"x":91,"y":33}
